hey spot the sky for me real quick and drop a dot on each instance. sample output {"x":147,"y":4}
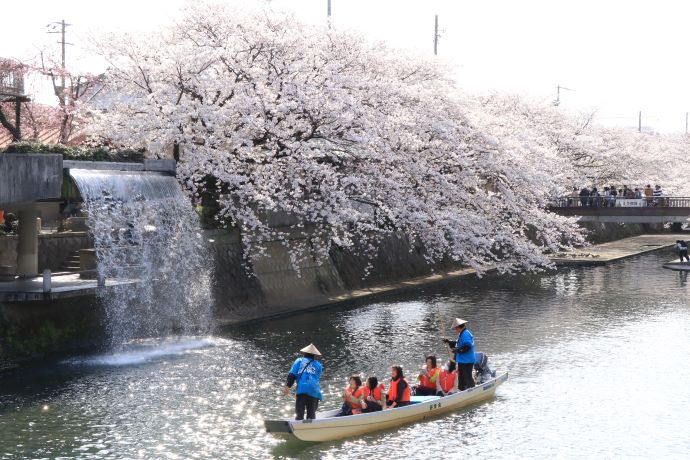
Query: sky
{"x":616,"y":57}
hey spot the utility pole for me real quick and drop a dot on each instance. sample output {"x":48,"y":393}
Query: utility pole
{"x":436,"y":35}
{"x":62,"y":43}
{"x":329,"y":14}
{"x":686,"y":123}
{"x":557,"y":102}
{"x":639,"y":122}
{"x":60,"y":91}
{"x":63,"y":26}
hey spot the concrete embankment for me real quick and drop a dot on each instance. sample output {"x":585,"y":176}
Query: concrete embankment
{"x":604,"y":253}
{"x":281,"y":292}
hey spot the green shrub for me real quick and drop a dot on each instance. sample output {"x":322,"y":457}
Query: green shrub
{"x":76,"y":153}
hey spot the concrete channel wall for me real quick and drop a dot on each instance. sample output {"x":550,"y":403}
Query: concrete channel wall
{"x":38,"y":328}
{"x":277,"y":287}
{"x":26,"y":177}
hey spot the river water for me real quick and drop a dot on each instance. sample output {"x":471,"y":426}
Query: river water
{"x":597,"y":360}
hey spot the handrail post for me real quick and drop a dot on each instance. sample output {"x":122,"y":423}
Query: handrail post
{"x":47,"y":280}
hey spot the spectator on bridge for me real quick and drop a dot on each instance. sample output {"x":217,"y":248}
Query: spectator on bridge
{"x":607,"y":196}
{"x":572,"y":201}
{"x":614,"y":194}
{"x":594,"y":198}
{"x":658,"y":194}
{"x":682,"y":248}
{"x":649,"y":193}
{"x":584,"y":196}
{"x":638,"y":193}
{"x":628,"y":192}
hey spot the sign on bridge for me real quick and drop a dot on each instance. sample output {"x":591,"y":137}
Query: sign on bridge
{"x":631,"y":202}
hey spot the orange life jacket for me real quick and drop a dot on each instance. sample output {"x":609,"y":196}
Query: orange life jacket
{"x":356,"y":408}
{"x":425,"y":382}
{"x":393,"y":391}
{"x":376,"y":393}
{"x":447,"y":380}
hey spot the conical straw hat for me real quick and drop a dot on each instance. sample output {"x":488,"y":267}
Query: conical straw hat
{"x":311,"y":349}
{"x":458,"y":322}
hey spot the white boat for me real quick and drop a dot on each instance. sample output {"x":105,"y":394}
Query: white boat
{"x":328,"y":427}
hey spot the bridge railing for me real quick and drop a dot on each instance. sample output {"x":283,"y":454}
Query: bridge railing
{"x":611,"y":202}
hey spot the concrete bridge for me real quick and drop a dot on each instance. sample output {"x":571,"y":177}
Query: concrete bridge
{"x":671,"y":209}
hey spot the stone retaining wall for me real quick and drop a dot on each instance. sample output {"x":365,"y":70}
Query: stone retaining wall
{"x":53,"y":248}
{"x":37,"y":328}
{"x":600,"y":232}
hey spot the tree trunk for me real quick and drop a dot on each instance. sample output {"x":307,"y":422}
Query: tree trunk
{"x":13,"y":129}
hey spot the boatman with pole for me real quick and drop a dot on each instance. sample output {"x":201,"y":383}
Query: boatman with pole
{"x":306,"y":371}
{"x":464,"y":353}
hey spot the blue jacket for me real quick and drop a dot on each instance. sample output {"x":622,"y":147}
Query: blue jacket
{"x":465,"y":338}
{"x":307,"y":373}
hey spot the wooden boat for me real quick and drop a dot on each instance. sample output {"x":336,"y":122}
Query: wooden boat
{"x":678,"y":266}
{"x":327,"y":427}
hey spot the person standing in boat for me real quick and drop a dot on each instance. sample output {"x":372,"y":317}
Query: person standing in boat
{"x":682,"y":248}
{"x":306,"y":371}
{"x":428,"y":378}
{"x":398,"y":389}
{"x":374,"y":396}
{"x":464,"y":353}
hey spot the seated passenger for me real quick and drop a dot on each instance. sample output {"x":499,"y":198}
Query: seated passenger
{"x":428,"y":378}
{"x":398,"y":389}
{"x":481,"y":365}
{"x":448,"y":379}
{"x":374,"y":396}
{"x":352,"y":397}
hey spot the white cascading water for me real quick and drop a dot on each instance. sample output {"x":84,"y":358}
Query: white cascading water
{"x":145,"y":230}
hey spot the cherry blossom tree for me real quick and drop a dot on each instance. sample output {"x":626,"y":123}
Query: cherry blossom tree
{"x":573,"y":149}
{"x":352,"y":141}
{"x":72,"y":89}
{"x":37,"y":119}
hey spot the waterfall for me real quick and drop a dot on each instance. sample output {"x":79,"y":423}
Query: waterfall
{"x":145,"y":230}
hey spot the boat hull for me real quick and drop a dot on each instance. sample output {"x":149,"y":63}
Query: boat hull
{"x":326,"y":427}
{"x":678,"y":266}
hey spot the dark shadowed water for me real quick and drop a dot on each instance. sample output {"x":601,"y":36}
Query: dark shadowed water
{"x":597,"y":360}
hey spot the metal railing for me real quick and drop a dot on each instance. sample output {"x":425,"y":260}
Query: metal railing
{"x":11,"y":83}
{"x":617,"y":202}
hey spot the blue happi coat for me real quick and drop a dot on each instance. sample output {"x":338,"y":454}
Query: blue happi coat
{"x":307,"y":372}
{"x":465,"y":338}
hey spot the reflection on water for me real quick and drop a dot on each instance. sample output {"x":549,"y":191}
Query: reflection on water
{"x":596,"y":358}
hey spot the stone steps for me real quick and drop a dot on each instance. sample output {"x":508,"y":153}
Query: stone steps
{"x":71,"y":262}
